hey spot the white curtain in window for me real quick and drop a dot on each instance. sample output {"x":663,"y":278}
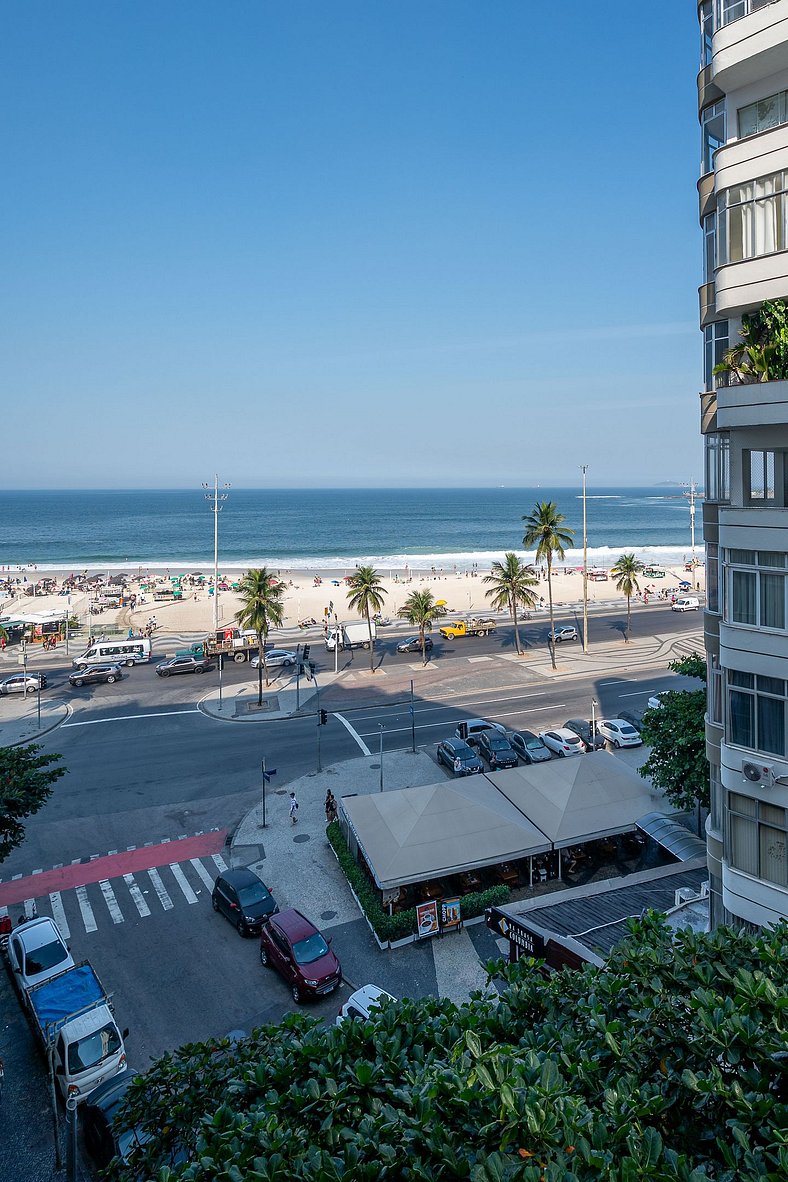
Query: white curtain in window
{"x":743,"y":843}
{"x":772,"y":601}
{"x":745,"y":605}
{"x":763,"y":226}
{"x":774,"y":855}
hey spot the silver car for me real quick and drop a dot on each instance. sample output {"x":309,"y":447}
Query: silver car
{"x":21,"y":683}
{"x":277,"y":658}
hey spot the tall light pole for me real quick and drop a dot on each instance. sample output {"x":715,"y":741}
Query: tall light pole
{"x":584,"y":469}
{"x":215,"y":498}
{"x":692,"y":494}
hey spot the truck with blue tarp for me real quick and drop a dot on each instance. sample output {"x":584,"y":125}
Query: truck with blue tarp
{"x":71,"y":1015}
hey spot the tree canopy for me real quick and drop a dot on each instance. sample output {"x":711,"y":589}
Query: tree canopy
{"x":366,"y":594}
{"x":511,"y":583}
{"x":26,"y":780}
{"x":545,"y":529}
{"x":666,"y":1064}
{"x":261,"y":609}
{"x":420,"y":609}
{"x":676,"y":734}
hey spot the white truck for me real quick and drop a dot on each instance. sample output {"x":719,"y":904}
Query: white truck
{"x":72,"y":1019}
{"x":353,"y":635}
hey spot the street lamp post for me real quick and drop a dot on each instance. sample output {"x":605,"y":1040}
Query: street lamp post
{"x":594,"y":705}
{"x":382,"y":728}
{"x":584,"y":469}
{"x":692,"y":494}
{"x":216,"y":500}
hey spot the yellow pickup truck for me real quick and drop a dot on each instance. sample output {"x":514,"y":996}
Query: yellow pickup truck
{"x":478,"y":627}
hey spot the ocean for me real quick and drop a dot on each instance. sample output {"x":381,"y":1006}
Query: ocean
{"x":314,"y":529}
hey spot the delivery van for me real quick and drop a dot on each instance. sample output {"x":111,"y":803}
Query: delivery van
{"x":686,"y":603}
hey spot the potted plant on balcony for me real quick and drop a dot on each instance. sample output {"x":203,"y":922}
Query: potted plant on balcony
{"x":761,"y":355}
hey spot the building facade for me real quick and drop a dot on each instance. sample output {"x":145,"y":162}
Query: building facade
{"x":743,"y":209}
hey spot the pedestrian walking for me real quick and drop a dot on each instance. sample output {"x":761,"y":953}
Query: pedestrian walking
{"x":293,"y":808}
{"x":331,"y":807}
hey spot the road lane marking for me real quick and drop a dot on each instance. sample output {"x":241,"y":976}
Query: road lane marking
{"x":130,"y":717}
{"x":351,"y":730}
{"x":59,"y":915}
{"x":112,"y":903}
{"x":220,"y":862}
{"x":160,"y":890}
{"x":471,"y":660}
{"x":426,"y":705}
{"x":137,"y":896}
{"x":88,"y":918}
{"x":425,"y":726}
{"x":183,"y":883}
{"x":639,"y":694}
{"x":203,"y":873}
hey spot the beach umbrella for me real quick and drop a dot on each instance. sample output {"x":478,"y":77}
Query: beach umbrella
{"x":440,"y":602}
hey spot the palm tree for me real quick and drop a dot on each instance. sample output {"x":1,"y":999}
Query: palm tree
{"x":625,"y":575}
{"x":510,"y":586}
{"x":261,"y":609}
{"x":420,"y":609}
{"x":543,"y":530}
{"x":365,"y":592}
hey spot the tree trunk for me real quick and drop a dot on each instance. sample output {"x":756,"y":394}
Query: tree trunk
{"x":517,"y":645}
{"x":423,"y":638}
{"x":260,"y":667}
{"x":551,"y":642}
{"x":371,"y":642}
{"x":629,"y":615}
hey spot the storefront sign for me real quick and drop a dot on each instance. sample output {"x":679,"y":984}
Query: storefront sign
{"x":427,"y":919}
{"x":450,"y":914}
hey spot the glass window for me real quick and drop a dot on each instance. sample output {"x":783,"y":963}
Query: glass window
{"x":771,"y":558}
{"x":715,"y":346}
{"x":733,"y":10}
{"x":759,"y":476}
{"x":752,"y":219}
{"x":712,"y":126}
{"x":706,"y":17}
{"x":763,"y":115}
{"x":742,"y":719}
{"x":758,"y":599}
{"x":712,"y":577}
{"x":772,"y":605}
{"x":718,"y":467}
{"x":743,"y":557}
{"x":757,"y":715}
{"x":758,"y":838}
{"x":709,"y":246}
{"x":744,"y":607}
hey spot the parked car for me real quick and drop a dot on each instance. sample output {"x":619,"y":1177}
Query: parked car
{"x":36,"y":952}
{"x":277,"y":658}
{"x":243,"y":899}
{"x":470,"y":729}
{"x":633,"y":717}
{"x":185,"y":665}
{"x":96,"y":674}
{"x":619,"y":732}
{"x":413,"y":645}
{"x":291,"y":944}
{"x":657,"y":700}
{"x":459,"y":757}
{"x":564,"y":632}
{"x":16,"y":683}
{"x":362,"y":1003}
{"x":529,"y":746}
{"x":583,"y":729}
{"x":104,"y":1140}
{"x":563,"y":742}
{"x":496,"y":750}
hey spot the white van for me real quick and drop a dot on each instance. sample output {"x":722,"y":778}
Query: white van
{"x":686,"y":603}
{"x":117,"y":652}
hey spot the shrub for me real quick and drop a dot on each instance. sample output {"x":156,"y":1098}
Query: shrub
{"x":397,"y":927}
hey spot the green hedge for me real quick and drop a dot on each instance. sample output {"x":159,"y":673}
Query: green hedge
{"x":397,"y":927}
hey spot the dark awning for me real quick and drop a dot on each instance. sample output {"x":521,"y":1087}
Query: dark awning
{"x":672,"y":836}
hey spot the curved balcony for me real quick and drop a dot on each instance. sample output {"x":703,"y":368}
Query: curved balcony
{"x":708,"y":411}
{"x":708,"y":91}
{"x":706,"y":303}
{"x":707,"y":198}
{"x":755,"y":156}
{"x":750,"y":45}
{"x":751,"y":404}
{"x":743,"y":285}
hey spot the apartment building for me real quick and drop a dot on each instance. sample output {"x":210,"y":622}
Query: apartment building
{"x":743,"y":209}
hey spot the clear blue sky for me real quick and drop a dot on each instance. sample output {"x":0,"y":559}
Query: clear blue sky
{"x":388,"y":242}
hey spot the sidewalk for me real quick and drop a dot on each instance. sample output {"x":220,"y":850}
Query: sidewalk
{"x":19,"y":718}
{"x":299,"y":864}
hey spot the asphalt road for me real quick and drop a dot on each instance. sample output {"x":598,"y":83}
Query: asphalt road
{"x":146,"y":766}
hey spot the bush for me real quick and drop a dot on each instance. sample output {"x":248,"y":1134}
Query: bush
{"x":397,"y":927}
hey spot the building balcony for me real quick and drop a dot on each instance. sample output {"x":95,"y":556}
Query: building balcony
{"x":708,"y":91}
{"x":754,"y":156}
{"x":750,"y":404}
{"x":746,"y":284}
{"x":707,"y":307}
{"x":750,"y":44}
{"x":707,"y":198}
{"x":708,"y":411}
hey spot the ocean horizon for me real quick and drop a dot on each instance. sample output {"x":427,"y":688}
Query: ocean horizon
{"x":332,"y":529}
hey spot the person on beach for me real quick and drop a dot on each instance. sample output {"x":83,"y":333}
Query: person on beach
{"x":293,"y":808}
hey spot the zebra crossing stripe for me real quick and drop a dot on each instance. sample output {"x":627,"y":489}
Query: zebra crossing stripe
{"x":220,"y":862}
{"x":30,"y":908}
{"x":203,"y":873}
{"x":183,"y":883}
{"x":59,"y":915}
{"x":160,"y":889}
{"x":137,"y":895}
{"x":111,"y":901}
{"x":88,"y":918}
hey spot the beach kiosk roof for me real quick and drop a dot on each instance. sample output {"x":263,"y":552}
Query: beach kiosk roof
{"x":579,"y":799}
{"x":415,"y":834}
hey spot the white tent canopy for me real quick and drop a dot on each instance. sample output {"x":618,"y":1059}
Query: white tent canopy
{"x":415,"y":834}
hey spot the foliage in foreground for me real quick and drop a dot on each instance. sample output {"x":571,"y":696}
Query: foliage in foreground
{"x":26,"y":780}
{"x":676,"y":734}
{"x":669,"y":1063}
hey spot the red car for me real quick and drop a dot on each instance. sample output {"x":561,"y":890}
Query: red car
{"x":291,"y":944}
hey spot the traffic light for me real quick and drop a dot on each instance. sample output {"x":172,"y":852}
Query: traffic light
{"x":323,"y":718}
{"x":305,"y":655}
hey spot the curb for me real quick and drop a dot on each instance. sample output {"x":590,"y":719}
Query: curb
{"x":45,"y":730}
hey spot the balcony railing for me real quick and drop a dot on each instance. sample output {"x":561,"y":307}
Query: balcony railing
{"x":733,"y":10}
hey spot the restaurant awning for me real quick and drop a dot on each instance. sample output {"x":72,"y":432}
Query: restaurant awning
{"x":578,"y":799}
{"x":415,"y":834}
{"x":672,"y":836}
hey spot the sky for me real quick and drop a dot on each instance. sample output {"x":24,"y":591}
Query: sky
{"x":374,"y":243}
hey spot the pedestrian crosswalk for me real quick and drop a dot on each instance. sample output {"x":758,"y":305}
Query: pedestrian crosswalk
{"x":128,"y":897}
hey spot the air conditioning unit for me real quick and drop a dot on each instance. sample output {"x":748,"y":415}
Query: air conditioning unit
{"x":685,"y":895}
{"x":756,"y":772}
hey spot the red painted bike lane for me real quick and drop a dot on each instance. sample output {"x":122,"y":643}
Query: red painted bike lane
{"x":146,"y":857}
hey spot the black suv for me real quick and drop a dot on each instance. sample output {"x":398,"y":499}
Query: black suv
{"x":583,"y":730}
{"x":496,"y":749}
{"x":95,"y":674}
{"x":244,"y":899}
{"x":459,"y":758}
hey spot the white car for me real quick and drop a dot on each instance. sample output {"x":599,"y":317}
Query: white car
{"x":277,"y":658}
{"x":37,"y":951}
{"x":361,"y":1003}
{"x":563,"y":632}
{"x":563,"y":742}
{"x":657,"y":700}
{"x":619,"y":733}
{"x":19,"y":683}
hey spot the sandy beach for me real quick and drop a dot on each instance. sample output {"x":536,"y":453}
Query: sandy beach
{"x":315,"y":595}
